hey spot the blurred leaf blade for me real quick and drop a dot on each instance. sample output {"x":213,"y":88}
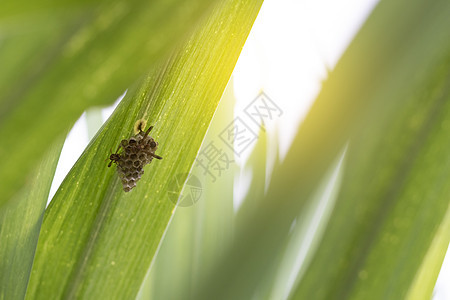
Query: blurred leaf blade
{"x":199,"y":231}
{"x":59,"y":60}
{"x":257,"y":164}
{"x":214,"y":216}
{"x":390,"y":61}
{"x":425,"y":280}
{"x":394,"y":195}
{"x":113,"y":235}
{"x":20,"y":224}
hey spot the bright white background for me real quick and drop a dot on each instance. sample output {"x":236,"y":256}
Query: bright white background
{"x":287,"y":54}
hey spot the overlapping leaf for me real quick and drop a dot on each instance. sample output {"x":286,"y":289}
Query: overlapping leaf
{"x":97,"y":241}
{"x":57,"y":59}
{"x":20,"y":224}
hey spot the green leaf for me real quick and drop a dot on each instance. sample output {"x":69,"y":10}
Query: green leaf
{"x":97,"y":242}
{"x":214,"y":215}
{"x":199,"y":233}
{"x":58,"y":59}
{"x":425,"y":279}
{"x":306,"y":233}
{"x":394,"y":197}
{"x":395,"y":188}
{"x":20,"y":223}
{"x":389,"y":95}
{"x":257,"y":165}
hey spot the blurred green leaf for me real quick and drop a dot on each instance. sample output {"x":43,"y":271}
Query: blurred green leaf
{"x":199,"y":233}
{"x":394,"y":197}
{"x":58,"y":59}
{"x":214,"y":216}
{"x":257,"y":165}
{"x":20,"y":223}
{"x":389,"y":95}
{"x":425,"y":279}
{"x":97,"y":242}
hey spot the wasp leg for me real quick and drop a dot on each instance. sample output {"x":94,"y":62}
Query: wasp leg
{"x":148,"y":131}
{"x":155,"y":156}
{"x":110,"y":152}
{"x":120,"y":145}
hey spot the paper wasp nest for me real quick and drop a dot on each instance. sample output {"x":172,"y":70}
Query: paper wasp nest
{"x":137,"y":151}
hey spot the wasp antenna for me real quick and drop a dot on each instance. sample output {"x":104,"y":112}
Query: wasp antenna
{"x":148,"y":131}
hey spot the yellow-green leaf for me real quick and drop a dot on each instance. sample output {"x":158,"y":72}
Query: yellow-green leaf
{"x":97,"y":242}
